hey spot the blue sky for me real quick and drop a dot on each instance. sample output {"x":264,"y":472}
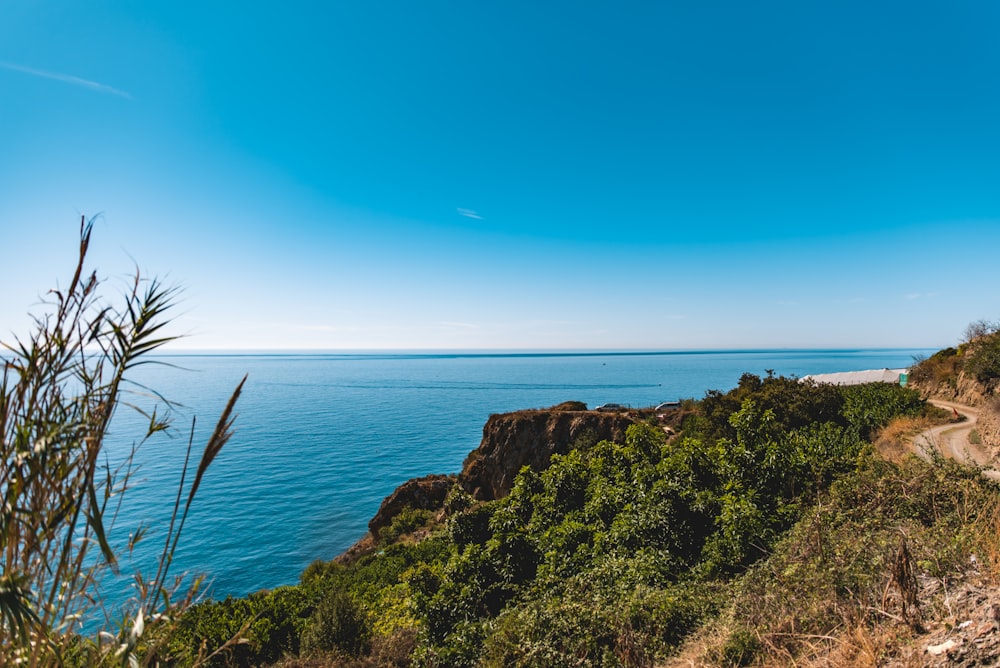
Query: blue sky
{"x":514,"y":175}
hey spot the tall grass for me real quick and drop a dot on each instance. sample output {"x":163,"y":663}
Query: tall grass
{"x":61,"y":495}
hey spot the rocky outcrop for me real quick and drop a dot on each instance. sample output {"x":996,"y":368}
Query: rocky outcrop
{"x":513,"y":440}
{"x":988,"y":426}
{"x":965,"y":390}
{"x":427,"y":493}
{"x":510,"y":441}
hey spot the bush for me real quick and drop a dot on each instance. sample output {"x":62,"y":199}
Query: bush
{"x":982,"y":360}
{"x":598,"y":623}
{"x":336,"y":625}
{"x":570,"y":406}
{"x":871,"y":406}
{"x":268,"y":624}
{"x":405,"y":522}
{"x":795,"y":404}
{"x":940,"y":369}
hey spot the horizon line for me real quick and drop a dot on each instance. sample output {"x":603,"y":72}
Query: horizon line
{"x":470,"y":352}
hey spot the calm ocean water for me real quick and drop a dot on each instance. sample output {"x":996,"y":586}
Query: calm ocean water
{"x":321,"y":439}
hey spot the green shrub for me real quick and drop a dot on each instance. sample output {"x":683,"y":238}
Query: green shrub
{"x":269,"y":625}
{"x":598,"y":622}
{"x":739,"y":649}
{"x":471,"y":526}
{"x":795,"y":404}
{"x":940,"y":369}
{"x":982,"y":360}
{"x":871,"y":406}
{"x":337,"y":624}
{"x":405,"y":522}
{"x":569,"y":406}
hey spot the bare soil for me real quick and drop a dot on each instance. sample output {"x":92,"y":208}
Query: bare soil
{"x":953,"y":440}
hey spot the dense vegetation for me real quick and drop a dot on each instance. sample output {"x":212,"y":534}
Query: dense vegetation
{"x":614,"y":555}
{"x":983,"y":359}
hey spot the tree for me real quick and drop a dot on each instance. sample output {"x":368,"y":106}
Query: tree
{"x":979,"y":329}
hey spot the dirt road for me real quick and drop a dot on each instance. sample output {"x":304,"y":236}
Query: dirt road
{"x":952,"y":440}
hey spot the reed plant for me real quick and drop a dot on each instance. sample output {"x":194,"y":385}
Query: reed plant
{"x":62,"y":490}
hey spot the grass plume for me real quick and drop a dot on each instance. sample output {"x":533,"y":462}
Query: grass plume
{"x":59,"y":392}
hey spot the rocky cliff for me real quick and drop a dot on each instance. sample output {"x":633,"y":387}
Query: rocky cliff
{"x":510,"y":441}
{"x":427,"y":493}
{"x":530,"y":438}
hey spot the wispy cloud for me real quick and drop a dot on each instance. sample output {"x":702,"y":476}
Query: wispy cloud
{"x":66,"y":78}
{"x":469,"y":213}
{"x":922,"y":295}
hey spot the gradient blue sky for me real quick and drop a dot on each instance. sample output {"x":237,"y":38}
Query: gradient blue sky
{"x":661,"y":175}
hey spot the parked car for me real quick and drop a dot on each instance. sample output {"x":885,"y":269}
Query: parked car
{"x":610,"y":408}
{"x":668,"y":406}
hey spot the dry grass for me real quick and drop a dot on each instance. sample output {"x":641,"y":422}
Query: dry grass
{"x":895,"y":442}
{"x":986,"y":528}
{"x":393,"y":651}
{"x":863,"y":579}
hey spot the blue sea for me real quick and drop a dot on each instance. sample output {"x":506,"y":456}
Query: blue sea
{"x":321,"y":439}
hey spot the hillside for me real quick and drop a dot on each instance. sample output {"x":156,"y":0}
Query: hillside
{"x":765,"y":523}
{"x":969,"y":375}
{"x":781,"y":523}
{"x":899,"y":569}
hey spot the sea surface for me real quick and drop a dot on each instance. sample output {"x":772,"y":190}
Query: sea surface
{"x":321,"y":439}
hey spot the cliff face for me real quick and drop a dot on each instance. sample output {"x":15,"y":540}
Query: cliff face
{"x":510,"y":441}
{"x":427,"y":493}
{"x":989,"y":425}
{"x":513,"y":440}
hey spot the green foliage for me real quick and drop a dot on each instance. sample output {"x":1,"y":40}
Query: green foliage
{"x":570,"y":406}
{"x":59,"y":391}
{"x":795,"y":404}
{"x":739,"y":649}
{"x":472,"y":526}
{"x":871,"y":406}
{"x":265,"y":625}
{"x":609,"y":557}
{"x":938,"y":370}
{"x":982,"y":360}
{"x":365,"y":600}
{"x":979,"y":357}
{"x":405,"y":522}
{"x":555,"y":562}
{"x":598,"y":623}
{"x":336,"y":625}
{"x":457,"y":501}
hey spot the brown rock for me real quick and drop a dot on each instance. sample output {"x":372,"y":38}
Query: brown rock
{"x":985,"y":629}
{"x":530,"y":438}
{"x":427,"y":493}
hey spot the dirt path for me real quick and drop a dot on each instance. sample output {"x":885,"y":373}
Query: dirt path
{"x":952,"y":440}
